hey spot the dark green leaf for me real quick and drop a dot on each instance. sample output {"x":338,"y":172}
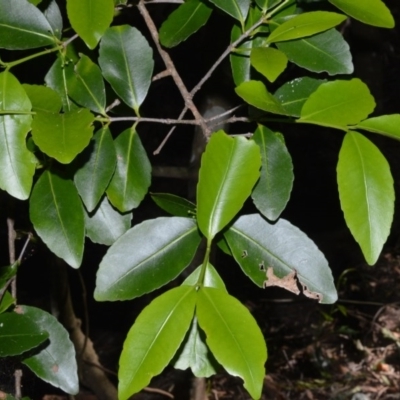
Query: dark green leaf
{"x":6,"y":301}
{"x":366,"y":193}
{"x":387,"y":125}
{"x":6,"y":273}
{"x":62,"y":225}
{"x":132,"y":175}
{"x":55,"y":364}
{"x":267,"y":4}
{"x":187,"y":19}
{"x":154,"y":339}
{"x":259,"y":246}
{"x":146,"y":257}
{"x":233,"y":336}
{"x":268,"y":61}
{"x":238,"y":9}
{"x":43,"y":98}
{"x":174,"y":205}
{"x":126,"y":60}
{"x":53,"y":15}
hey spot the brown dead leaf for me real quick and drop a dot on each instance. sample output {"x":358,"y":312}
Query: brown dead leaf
{"x":288,"y":282}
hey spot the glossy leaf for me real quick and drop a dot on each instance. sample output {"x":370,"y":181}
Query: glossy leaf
{"x":105,"y":224}
{"x":23,"y":26}
{"x":257,"y":245}
{"x":43,"y":98}
{"x":163,"y":248}
{"x":126,"y":60}
{"x":56,"y":363}
{"x":366,"y":193}
{"x":54,"y":17}
{"x":387,"y":125}
{"x":86,"y":86}
{"x":174,"y":205}
{"x":269,"y":62}
{"x":63,"y":136}
{"x":154,"y":338}
{"x":267,"y":4}
{"x":372,"y":12}
{"x":187,"y":19}
{"x":238,"y":9}
{"x":211,"y":278}
{"x":338,"y":103}
{"x":229,"y":169}
{"x":256,"y":94}
{"x":90,"y":18}
{"x":96,"y":169}
{"x":18,"y":334}
{"x":272,"y":191}
{"x":132,"y":175}
{"x":325,"y":52}
{"x":233,"y":336}
{"x":17,"y":162}
{"x":292,"y":95}
{"x":62,"y":226}
{"x":6,"y":301}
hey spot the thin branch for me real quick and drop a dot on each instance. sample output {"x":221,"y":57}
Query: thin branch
{"x":165,"y":121}
{"x":163,"y":1}
{"x":21,"y":255}
{"x":71,"y":39}
{"x":161,"y":75}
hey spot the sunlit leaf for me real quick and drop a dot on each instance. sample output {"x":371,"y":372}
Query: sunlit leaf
{"x":211,"y":278}
{"x":268,"y":61}
{"x":387,"y":125}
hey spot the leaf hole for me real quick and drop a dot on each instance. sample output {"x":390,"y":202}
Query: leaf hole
{"x":244,"y":254}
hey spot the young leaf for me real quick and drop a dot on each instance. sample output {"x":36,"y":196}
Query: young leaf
{"x":23,"y":26}
{"x":387,"y":125}
{"x":174,"y":205}
{"x":126,"y":60}
{"x":54,"y":16}
{"x":268,"y":61}
{"x":187,"y":19}
{"x":211,"y":278}
{"x":43,"y":98}
{"x":154,"y":339}
{"x":325,"y":52}
{"x":62,"y":226}
{"x":63,"y":136}
{"x":258,"y":245}
{"x":105,"y":224}
{"x":98,"y":165}
{"x":272,"y":191}
{"x":90,"y":18}
{"x":17,"y":162}
{"x":366,"y":193}
{"x":132,"y":175}
{"x":256,"y":94}
{"x":19,"y":334}
{"x":372,"y":12}
{"x":338,"y":103}
{"x":238,"y":9}
{"x":233,"y":336}
{"x":146,"y":257}
{"x":229,"y":169}
{"x":56,"y":363}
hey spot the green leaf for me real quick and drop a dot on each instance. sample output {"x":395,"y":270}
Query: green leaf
{"x":256,"y":94}
{"x":6,"y":301}
{"x":174,"y":205}
{"x":238,"y":9}
{"x":17,"y":162}
{"x":372,"y":12}
{"x":19,"y":334}
{"x":126,"y":60}
{"x":86,"y":86}
{"x":338,"y":103}
{"x":146,"y":257}
{"x":211,"y":278}
{"x":258,"y":246}
{"x":292,"y":95}
{"x":387,"y":125}
{"x":132,"y":175}
{"x":97,"y":165}
{"x":6,"y":273}
{"x":268,"y":61}
{"x":187,"y":19}
{"x":23,"y":26}
{"x":56,"y":363}
{"x":63,"y":136}
{"x":90,"y":18}
{"x":265,"y":5}
{"x":366,"y":193}
{"x":43,"y":98}
{"x":154,"y":339}
{"x":54,"y":16}
{"x":105,"y":224}
{"x":62,"y":226}
{"x":272,"y":191}
{"x":233,"y":336}
{"x":325,"y":52}
{"x":229,"y":169}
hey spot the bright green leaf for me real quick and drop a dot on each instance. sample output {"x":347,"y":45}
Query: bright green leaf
{"x":146,"y":257}
{"x":43,"y":98}
{"x":238,"y":9}
{"x":174,"y":205}
{"x":54,"y":16}
{"x":211,"y":278}
{"x":229,"y":169}
{"x":126,"y":60}
{"x":267,"y":4}
{"x":366,"y":193}
{"x":338,"y":103}
{"x":154,"y":339}
{"x":62,"y":225}
{"x":90,"y":18}
{"x":258,"y":246}
{"x":56,"y":363}
{"x":233,"y":336}
{"x":387,"y":125}
{"x":268,"y":61}
{"x":187,"y":19}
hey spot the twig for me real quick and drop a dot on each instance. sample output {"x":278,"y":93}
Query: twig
{"x":18,"y":378}
{"x":165,"y":121}
{"x":161,"y":75}
{"x":159,"y":391}
{"x":164,"y":1}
